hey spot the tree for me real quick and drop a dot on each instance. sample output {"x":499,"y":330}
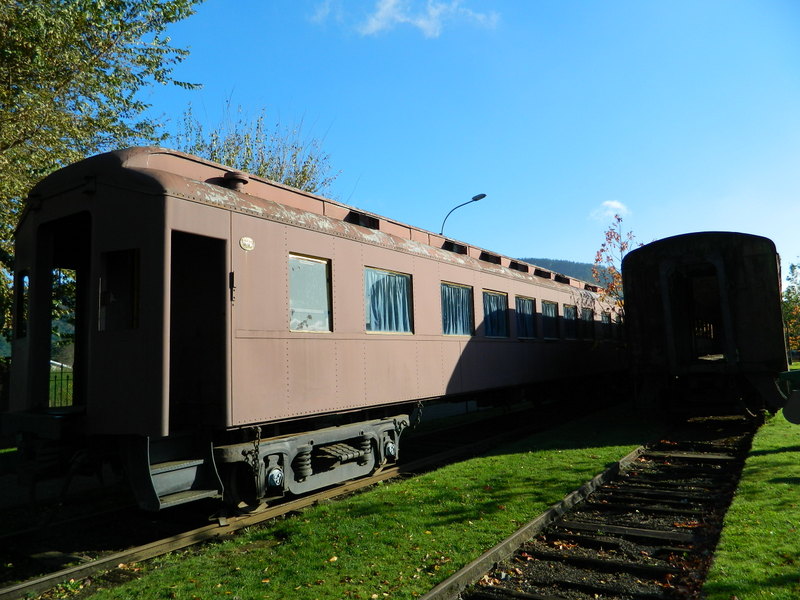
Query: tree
{"x":279,"y":153}
{"x":70,"y":73}
{"x":607,"y":268}
{"x":791,"y":306}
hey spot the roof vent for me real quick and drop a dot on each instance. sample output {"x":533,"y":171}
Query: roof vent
{"x":359,"y":218}
{"x":453,"y":247}
{"x":235,"y":180}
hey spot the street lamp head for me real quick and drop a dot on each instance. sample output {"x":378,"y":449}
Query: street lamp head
{"x":474,"y":199}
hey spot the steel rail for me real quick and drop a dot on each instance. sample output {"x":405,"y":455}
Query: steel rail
{"x":453,"y":585}
{"x":228,"y":525}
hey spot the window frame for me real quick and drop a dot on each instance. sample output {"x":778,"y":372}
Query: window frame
{"x":548,"y":320}
{"x":533,"y":323}
{"x":115,"y":315}
{"x":507,"y":332}
{"x":409,"y":299}
{"x":586,"y":328}
{"x":328,"y":263}
{"x":470,"y":303}
{"x":570,"y":321}
{"x":605,"y":325}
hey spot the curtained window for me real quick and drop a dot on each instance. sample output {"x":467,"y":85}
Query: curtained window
{"x":456,"y":309}
{"x":570,"y":322}
{"x":526,"y":317}
{"x":309,"y":294}
{"x":387,"y":301}
{"x":587,"y":324}
{"x":605,"y":319}
{"x":495,"y":318}
{"x":549,"y":319}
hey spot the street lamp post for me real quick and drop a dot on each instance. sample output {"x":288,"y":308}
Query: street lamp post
{"x":474,"y":199}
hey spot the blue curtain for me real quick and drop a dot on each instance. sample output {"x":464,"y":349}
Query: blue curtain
{"x":550,"y":319}
{"x":495,"y":321}
{"x":587,"y":323}
{"x":456,"y":309}
{"x":387,"y":298}
{"x":606,"y":328}
{"x":526,"y":315}
{"x":570,"y":322}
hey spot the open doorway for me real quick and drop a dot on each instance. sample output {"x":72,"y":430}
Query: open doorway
{"x":58,"y":317}
{"x":697,"y":313}
{"x":197,"y":374}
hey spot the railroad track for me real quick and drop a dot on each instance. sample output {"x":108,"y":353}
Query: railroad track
{"x":223,"y":526}
{"x":644,"y":530}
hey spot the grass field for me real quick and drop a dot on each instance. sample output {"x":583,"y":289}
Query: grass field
{"x":758,"y":556}
{"x":400,"y":539}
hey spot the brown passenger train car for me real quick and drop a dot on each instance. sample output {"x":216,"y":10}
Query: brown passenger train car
{"x":704,"y":320}
{"x":222,"y":321}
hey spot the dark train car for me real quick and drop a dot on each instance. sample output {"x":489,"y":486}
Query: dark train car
{"x":704,"y":321}
{"x":233,"y":335}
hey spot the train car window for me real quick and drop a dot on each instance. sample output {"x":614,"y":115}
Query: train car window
{"x":22,"y":304}
{"x":119,"y":291}
{"x":456,"y":309}
{"x":387,"y":301}
{"x":587,"y":324}
{"x":309,"y":294}
{"x":549,"y":319}
{"x":526,"y":317}
{"x":495,"y":314}
{"x":570,"y":322}
{"x":605,"y":320}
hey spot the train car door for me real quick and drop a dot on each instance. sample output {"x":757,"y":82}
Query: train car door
{"x":198,"y":326}
{"x":259,"y":320}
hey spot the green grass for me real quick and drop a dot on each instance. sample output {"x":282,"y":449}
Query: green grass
{"x":400,"y":539}
{"x":758,"y":555}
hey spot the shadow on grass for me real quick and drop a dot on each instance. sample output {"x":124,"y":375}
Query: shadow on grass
{"x":535,"y":472}
{"x":789,"y":480}
{"x":775,"y":451}
{"x":752,"y":588}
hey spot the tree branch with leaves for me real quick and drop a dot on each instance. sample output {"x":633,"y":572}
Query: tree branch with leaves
{"x":791,"y":307}
{"x":607,"y":267}
{"x":70,"y":77}
{"x":277,"y":152}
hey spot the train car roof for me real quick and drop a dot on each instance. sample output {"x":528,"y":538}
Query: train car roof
{"x":690,"y":243}
{"x":158,"y":171}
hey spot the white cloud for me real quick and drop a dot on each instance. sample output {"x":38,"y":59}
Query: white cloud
{"x":327,"y":9}
{"x":608,"y":209}
{"x":429,"y":19}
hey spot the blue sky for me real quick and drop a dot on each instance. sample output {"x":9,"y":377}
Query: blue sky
{"x":679,"y":115}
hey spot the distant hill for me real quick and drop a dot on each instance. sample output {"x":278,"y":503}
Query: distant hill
{"x":578,"y":270}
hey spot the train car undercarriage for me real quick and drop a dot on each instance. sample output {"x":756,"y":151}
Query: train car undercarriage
{"x":170,"y":471}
